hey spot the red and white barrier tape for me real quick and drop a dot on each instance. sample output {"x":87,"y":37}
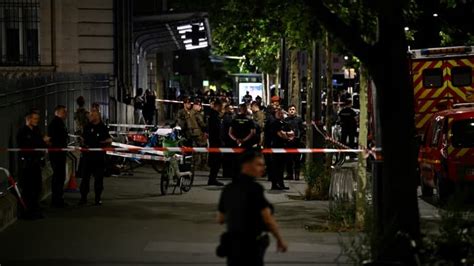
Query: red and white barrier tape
{"x":13,"y":185}
{"x":181,"y":149}
{"x":365,"y":151}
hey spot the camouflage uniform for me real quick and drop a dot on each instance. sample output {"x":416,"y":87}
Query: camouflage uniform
{"x":259,"y":119}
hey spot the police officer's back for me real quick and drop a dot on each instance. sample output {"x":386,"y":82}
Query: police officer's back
{"x":58,"y":135}
{"x":248,"y":215}
{"x":30,"y":137}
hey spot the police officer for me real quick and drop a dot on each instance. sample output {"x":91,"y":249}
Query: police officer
{"x":215,"y":140}
{"x":96,"y":135}
{"x":242,"y":129}
{"x":348,"y":121}
{"x":248,"y":216}
{"x":29,"y":136}
{"x":280,"y":134}
{"x":198,"y":127}
{"x":58,"y":135}
{"x":227,"y":119}
{"x":295,"y":122}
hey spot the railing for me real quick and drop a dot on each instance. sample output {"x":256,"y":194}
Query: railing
{"x":44,"y":93}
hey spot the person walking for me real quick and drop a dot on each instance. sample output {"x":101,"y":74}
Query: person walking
{"x":96,"y":135}
{"x":58,"y":139}
{"x":247,"y":215}
{"x":295,"y":122}
{"x":29,"y":137}
{"x":280,"y":134}
{"x":138,"y":104}
{"x":214,"y":128}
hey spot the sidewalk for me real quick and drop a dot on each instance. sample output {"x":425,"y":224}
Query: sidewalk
{"x":138,"y":226}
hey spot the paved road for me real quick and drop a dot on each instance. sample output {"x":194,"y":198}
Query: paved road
{"x":138,"y":226}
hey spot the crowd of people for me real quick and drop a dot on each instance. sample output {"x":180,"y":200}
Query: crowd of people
{"x":250,"y":125}
{"x":92,"y":132}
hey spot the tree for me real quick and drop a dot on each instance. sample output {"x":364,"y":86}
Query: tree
{"x":386,"y":61}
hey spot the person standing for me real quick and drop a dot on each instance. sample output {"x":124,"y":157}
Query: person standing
{"x":58,"y":138}
{"x":247,"y":215}
{"x":348,"y":121}
{"x":259,"y":119}
{"x":227,"y":118}
{"x":96,"y":135}
{"x":138,"y":104}
{"x":214,"y":128}
{"x":198,"y":127}
{"x":280,"y":133}
{"x":81,"y":115}
{"x":247,"y":99}
{"x":295,"y":122}
{"x":29,"y":137}
{"x":149,"y":107}
{"x":242,"y":129}
{"x":183,"y":117}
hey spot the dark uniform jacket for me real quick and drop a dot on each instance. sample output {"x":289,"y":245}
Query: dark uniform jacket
{"x":93,"y":136}
{"x":57,"y":131}
{"x":214,"y":129}
{"x":242,"y":202}
{"x":30,"y":138}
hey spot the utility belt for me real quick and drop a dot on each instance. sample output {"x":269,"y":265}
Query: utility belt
{"x":225,"y":248}
{"x":26,"y":160}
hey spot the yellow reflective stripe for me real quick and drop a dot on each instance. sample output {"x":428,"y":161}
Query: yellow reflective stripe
{"x":424,"y":94}
{"x":422,"y":122}
{"x":450,"y":150}
{"x":459,"y":92}
{"x":462,"y":152}
{"x":467,"y":62}
{"x":425,"y":106}
{"x":430,"y":161}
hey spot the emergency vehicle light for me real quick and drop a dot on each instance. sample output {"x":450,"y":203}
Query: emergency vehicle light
{"x":447,"y":50}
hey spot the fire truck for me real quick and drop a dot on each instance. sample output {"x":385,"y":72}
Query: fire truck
{"x":441,"y":77}
{"x":444,"y":116}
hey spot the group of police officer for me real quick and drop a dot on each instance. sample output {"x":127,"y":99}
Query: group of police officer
{"x":251,"y":126}
{"x":92,"y":133}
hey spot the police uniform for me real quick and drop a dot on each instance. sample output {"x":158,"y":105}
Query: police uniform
{"x":215,"y":140}
{"x":94,"y":161}
{"x":347,"y":118}
{"x":294,"y":159}
{"x":278,"y":160}
{"x":58,"y":134}
{"x":241,"y":128}
{"x":242,"y":203}
{"x":30,"y":169}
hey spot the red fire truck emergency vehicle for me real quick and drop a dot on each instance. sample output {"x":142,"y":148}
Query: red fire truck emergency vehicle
{"x":444,"y":116}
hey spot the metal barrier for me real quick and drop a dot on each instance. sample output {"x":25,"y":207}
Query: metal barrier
{"x":45,"y":91}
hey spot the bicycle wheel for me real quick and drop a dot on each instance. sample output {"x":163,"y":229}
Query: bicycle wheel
{"x":187,"y":182}
{"x":165,"y":180}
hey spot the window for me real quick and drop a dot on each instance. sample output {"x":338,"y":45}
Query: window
{"x":461,"y":76}
{"x":432,"y":78}
{"x":19,"y":29}
{"x":463,"y":133}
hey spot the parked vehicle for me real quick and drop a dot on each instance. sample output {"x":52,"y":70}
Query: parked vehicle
{"x":446,"y":155}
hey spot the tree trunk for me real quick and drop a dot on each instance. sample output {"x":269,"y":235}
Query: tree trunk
{"x":295,"y":79}
{"x":361,"y":165}
{"x":397,"y":194}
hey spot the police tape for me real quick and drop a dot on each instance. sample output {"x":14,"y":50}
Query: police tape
{"x":206,"y":104}
{"x":182,"y":150}
{"x":366,"y":152}
{"x":14,"y":185}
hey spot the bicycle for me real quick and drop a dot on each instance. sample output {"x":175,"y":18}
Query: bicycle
{"x":178,"y":170}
